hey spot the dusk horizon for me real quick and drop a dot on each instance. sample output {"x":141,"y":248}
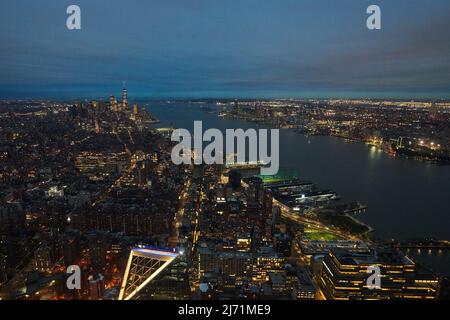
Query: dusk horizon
{"x":233,"y":159}
{"x":213,"y":49}
{"x":49,"y":95}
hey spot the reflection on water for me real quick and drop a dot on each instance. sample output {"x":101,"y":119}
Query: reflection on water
{"x":437,"y":260}
{"x":406,"y":198}
{"x":373,"y":153}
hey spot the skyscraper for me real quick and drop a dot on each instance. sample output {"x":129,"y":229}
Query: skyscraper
{"x":96,"y":286}
{"x":256,"y":189}
{"x":43,"y":258}
{"x":144,"y":264}
{"x":124,"y":98}
{"x":235,"y":179}
{"x":3,"y":268}
{"x":113,"y":105}
{"x":71,"y":248}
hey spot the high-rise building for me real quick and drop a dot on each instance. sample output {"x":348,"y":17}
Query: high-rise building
{"x":144,"y":264}
{"x":345,"y":274}
{"x":94,"y":104}
{"x":301,"y":283}
{"x":97,"y":253}
{"x":96,"y":286}
{"x":283,"y":244}
{"x":237,"y":264}
{"x":171,"y":284}
{"x":3,"y":268}
{"x":43,"y":259}
{"x":278,"y":283}
{"x":142,"y":176}
{"x":13,"y":239}
{"x":207,"y":260}
{"x":276,"y":216}
{"x":71,"y":248}
{"x":268,"y":204}
{"x":244,"y":243}
{"x":255,"y":189}
{"x":266,"y":263}
{"x":235,"y":179}
{"x":113,"y":104}
{"x":124,"y":98}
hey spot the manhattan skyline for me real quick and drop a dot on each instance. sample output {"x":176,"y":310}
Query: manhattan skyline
{"x":224,"y":155}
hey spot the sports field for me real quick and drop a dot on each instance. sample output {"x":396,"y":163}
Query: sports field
{"x":314,"y":234}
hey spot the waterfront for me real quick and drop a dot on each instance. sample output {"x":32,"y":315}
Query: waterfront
{"x":219,"y":151}
{"x":406,"y":198}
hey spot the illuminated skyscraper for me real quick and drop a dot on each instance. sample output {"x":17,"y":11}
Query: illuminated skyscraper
{"x":144,"y":264}
{"x":113,"y":105}
{"x":43,"y":260}
{"x":124,"y":98}
{"x":97,"y":127}
{"x":256,"y":189}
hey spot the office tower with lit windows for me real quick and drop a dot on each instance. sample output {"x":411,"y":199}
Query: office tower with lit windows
{"x":43,"y":258}
{"x":113,"y":105}
{"x":124,"y":98}
{"x":94,"y":105}
{"x":13,"y":239}
{"x":144,"y":265}
{"x":283,"y":243}
{"x":344,"y":276}
{"x":96,"y":286}
{"x":142,"y":173}
{"x":97,"y":252}
{"x":266,"y":263}
{"x":71,"y":248}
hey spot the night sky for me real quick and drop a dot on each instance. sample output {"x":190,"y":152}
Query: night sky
{"x":233,"y":48}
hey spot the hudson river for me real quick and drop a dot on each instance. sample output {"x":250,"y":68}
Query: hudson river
{"x":406,"y":198}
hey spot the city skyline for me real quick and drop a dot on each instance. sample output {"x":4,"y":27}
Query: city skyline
{"x":293,"y":49}
{"x":96,"y":184}
{"x":238,"y":153}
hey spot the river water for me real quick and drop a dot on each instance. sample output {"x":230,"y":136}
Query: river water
{"x":406,"y":198}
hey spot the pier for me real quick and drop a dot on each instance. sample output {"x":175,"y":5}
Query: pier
{"x":421,"y":244}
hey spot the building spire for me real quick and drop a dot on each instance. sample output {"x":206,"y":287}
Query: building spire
{"x":124,"y":97}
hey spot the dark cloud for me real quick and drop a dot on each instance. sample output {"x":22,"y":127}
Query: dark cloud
{"x":172,"y":48}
